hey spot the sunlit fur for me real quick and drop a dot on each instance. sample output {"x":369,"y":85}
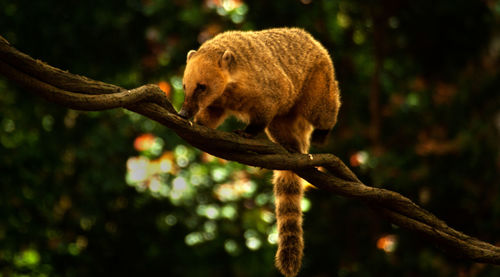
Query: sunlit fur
{"x":280,"y":80}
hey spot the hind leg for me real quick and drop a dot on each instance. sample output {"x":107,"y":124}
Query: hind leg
{"x":320,"y":101}
{"x":291,"y":131}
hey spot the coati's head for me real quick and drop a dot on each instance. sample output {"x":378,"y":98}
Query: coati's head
{"x":205,"y":79}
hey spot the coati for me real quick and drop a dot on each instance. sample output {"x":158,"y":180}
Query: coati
{"x":279,"y":80}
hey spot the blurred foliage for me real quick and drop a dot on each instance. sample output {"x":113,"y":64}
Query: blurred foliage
{"x":113,"y":193}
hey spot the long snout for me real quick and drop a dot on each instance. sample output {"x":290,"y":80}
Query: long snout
{"x":188,"y":110}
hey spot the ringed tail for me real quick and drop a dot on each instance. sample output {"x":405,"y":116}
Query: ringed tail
{"x":288,"y":193}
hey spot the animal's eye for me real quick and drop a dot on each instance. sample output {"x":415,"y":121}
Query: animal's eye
{"x":184,"y":87}
{"x":201,"y":87}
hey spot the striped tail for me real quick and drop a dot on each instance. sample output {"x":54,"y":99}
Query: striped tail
{"x":288,"y":193}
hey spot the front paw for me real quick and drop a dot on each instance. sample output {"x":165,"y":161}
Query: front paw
{"x":243,"y":133}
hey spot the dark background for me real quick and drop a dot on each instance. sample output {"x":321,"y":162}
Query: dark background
{"x":114,"y":194}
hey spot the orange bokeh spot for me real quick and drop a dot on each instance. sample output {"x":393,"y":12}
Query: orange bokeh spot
{"x":165,"y":86}
{"x":144,"y":142}
{"x":387,"y":243}
{"x":359,"y":158}
{"x":354,"y":161}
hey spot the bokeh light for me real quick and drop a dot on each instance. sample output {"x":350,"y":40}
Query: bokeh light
{"x":387,"y":243}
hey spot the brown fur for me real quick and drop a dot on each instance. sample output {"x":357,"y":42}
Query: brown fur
{"x":278,"y":80}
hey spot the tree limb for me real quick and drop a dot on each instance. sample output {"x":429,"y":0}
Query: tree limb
{"x":81,"y":93}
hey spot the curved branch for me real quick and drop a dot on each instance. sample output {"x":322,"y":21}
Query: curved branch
{"x":82,"y":93}
{"x":79,"y":101}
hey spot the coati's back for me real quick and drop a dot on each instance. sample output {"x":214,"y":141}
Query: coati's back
{"x":261,"y":53}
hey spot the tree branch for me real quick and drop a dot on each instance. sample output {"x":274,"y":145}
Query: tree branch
{"x":77,"y":92}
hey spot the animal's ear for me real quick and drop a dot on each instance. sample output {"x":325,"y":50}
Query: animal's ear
{"x":227,"y":59}
{"x":190,"y":54}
